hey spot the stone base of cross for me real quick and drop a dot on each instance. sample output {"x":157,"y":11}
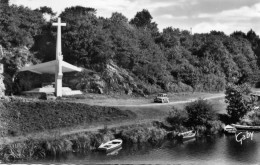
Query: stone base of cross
{"x":57,"y":67}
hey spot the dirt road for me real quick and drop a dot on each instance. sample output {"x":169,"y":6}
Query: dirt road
{"x":147,"y":102}
{"x":215,"y":96}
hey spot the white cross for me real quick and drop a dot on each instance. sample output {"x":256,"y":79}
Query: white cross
{"x":58,"y":48}
{"x":59,"y":59}
{"x":59,"y":23}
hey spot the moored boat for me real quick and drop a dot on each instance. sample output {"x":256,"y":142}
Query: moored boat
{"x":187,"y":135}
{"x":230,"y":129}
{"x":110,"y":145}
{"x":245,"y":127}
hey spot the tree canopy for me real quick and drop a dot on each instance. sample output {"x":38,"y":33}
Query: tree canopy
{"x":171,"y":60}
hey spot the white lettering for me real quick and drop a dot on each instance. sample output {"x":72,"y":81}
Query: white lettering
{"x":244,"y":136}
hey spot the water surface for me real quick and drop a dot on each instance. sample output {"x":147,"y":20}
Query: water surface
{"x":219,"y":149}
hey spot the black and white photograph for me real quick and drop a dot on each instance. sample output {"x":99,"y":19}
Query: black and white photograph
{"x":130,"y":82}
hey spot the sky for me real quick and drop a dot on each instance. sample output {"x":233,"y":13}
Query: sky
{"x":199,"y":16}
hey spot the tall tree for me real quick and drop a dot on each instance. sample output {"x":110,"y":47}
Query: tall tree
{"x":143,"y":19}
{"x":46,"y":10}
{"x":85,"y":42}
{"x":19,"y":26}
{"x":239,"y":103}
{"x":4,"y":2}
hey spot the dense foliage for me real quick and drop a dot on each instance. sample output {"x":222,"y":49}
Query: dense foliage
{"x":238,"y":100}
{"x":142,"y":133}
{"x":200,"y":112}
{"x":171,"y":60}
{"x":198,"y":115}
{"x":177,"y":118}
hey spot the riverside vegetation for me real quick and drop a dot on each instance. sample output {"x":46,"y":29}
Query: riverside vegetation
{"x":205,"y":122}
{"x":242,"y":108}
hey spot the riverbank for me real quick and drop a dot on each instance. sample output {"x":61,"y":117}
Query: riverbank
{"x":141,"y":115}
{"x":60,"y":127}
{"x":152,"y":132}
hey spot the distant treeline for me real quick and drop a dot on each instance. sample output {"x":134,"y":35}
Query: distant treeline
{"x":159,"y":59}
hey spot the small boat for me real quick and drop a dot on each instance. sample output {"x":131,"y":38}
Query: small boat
{"x":187,"y":135}
{"x":230,"y":129}
{"x":110,"y":145}
{"x":245,"y":127}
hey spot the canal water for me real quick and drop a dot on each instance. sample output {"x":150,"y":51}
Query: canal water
{"x":218,"y":149}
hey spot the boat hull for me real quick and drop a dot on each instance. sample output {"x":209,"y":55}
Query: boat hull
{"x":187,"y":135}
{"x":110,"y":149}
{"x":111,"y":145}
{"x":230,"y":132}
{"x":230,"y":129}
{"x":243,"y":127}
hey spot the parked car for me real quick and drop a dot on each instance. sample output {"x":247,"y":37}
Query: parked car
{"x":161,"y":98}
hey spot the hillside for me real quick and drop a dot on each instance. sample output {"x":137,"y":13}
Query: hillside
{"x":124,"y":56}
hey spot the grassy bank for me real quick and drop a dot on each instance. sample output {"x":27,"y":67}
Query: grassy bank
{"x":34,"y":116}
{"x":152,"y":132}
{"x":22,"y":117}
{"x":80,"y":142}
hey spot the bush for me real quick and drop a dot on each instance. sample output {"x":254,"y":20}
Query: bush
{"x":251,"y":118}
{"x":200,"y":112}
{"x":177,"y":118}
{"x":141,"y":134}
{"x":239,"y":103}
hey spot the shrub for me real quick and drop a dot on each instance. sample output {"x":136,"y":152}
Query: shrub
{"x":141,"y":134}
{"x":215,"y":126}
{"x":200,"y":112}
{"x":177,"y":118}
{"x":251,"y":118}
{"x":156,"y":135}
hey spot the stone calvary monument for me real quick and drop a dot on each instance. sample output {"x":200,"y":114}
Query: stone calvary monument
{"x":57,"y":67}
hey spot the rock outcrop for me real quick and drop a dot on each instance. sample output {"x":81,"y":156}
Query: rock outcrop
{"x":112,"y":80}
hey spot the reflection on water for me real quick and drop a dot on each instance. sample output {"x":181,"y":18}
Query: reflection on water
{"x":247,"y":152}
{"x":219,"y":149}
{"x":115,"y":152}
